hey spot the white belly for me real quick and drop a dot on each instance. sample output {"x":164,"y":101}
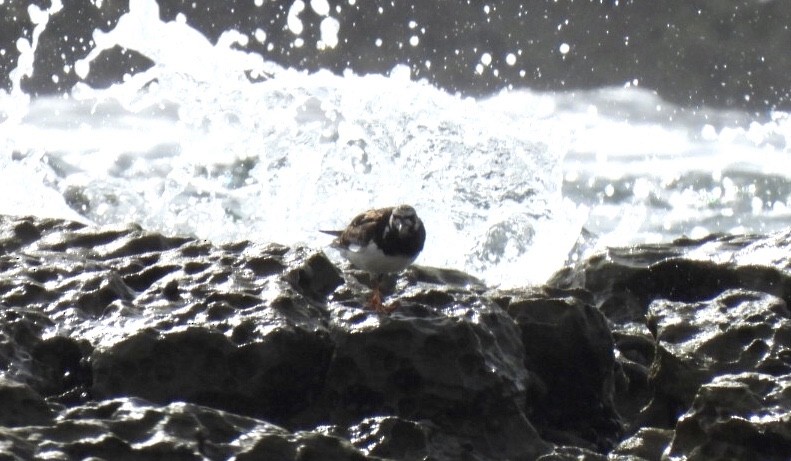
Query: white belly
{"x":373,"y":260}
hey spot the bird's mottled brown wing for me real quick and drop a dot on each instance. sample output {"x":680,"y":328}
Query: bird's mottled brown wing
{"x":364,"y":226}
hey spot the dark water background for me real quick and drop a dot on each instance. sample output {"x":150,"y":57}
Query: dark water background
{"x":721,"y":53}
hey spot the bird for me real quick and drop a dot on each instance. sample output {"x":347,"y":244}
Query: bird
{"x":381,"y":241}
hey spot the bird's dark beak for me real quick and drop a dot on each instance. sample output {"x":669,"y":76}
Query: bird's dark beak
{"x":404,"y":225}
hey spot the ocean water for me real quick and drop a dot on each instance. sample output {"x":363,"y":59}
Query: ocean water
{"x":223,"y":145}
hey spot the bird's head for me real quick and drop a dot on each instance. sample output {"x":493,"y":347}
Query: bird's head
{"x":403,"y":219}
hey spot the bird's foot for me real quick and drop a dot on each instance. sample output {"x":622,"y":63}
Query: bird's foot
{"x":387,"y":309}
{"x":376,"y":304}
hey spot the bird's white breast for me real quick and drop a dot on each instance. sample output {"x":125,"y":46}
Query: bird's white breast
{"x":371,"y":259}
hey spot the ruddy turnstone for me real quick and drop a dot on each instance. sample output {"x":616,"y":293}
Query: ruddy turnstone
{"x":381,"y":241}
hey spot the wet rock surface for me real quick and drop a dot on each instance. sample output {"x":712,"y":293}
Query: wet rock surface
{"x":738,"y":331}
{"x":737,"y":416}
{"x":686,"y":316}
{"x":118,"y":343}
{"x":129,"y":428}
{"x":569,"y":350}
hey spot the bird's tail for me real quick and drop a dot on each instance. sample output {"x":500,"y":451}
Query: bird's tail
{"x":334,"y":233}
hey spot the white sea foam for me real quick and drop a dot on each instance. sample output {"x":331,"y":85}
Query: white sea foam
{"x":221,"y":144}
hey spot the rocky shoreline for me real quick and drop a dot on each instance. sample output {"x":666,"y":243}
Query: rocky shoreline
{"x":119,"y":343}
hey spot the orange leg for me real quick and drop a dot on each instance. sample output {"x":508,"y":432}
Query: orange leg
{"x":375,"y":302}
{"x":376,"y":299}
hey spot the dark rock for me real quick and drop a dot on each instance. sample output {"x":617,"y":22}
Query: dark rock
{"x":397,"y":438}
{"x":648,"y":443}
{"x":264,"y":266}
{"x":315,"y":275}
{"x":302,"y":446}
{"x":60,"y":365}
{"x":391,"y":437}
{"x":21,"y":330}
{"x":624,"y":281}
{"x":19,"y":231}
{"x":143,"y":279}
{"x":458,"y":364}
{"x":219,"y":339}
{"x":635,"y":353}
{"x":265,"y":331}
{"x":272,"y":377}
{"x":738,"y":331}
{"x":137,"y":243}
{"x":738,"y":416}
{"x":127,"y":429}
{"x":21,"y":405}
{"x":568,"y":345}
{"x":441,"y":276}
{"x":85,"y":238}
{"x":686,"y":312}
{"x":571,"y":454}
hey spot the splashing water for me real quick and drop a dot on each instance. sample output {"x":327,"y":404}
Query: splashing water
{"x":218,"y":143}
